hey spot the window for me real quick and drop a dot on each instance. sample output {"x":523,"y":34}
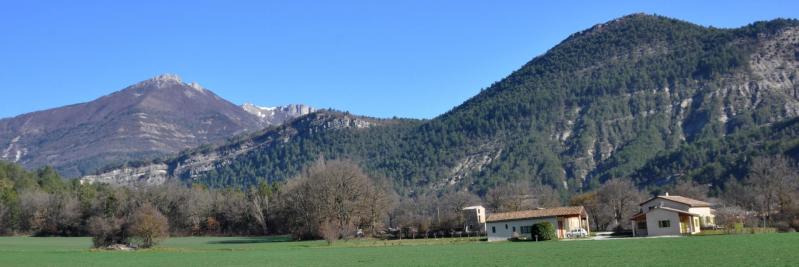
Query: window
{"x":642,"y":225}
{"x":664,"y":224}
{"x":494,"y":229}
{"x":526,"y":229}
{"x":514,"y":228}
{"x":506,"y":226}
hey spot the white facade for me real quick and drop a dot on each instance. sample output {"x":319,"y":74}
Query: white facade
{"x":664,"y":216}
{"x":503,"y":230}
{"x":655,"y":219}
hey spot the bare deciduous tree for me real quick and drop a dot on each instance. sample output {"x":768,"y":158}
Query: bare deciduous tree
{"x":599,"y":214}
{"x":620,"y":198}
{"x":509,"y":197}
{"x":521,"y":196}
{"x":773,"y":180}
{"x":336,"y":192}
{"x":380,"y":200}
{"x":259,"y":205}
{"x":33,"y":207}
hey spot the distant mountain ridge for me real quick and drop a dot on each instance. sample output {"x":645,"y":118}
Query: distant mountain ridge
{"x":153,"y":118}
{"x":608,"y":102}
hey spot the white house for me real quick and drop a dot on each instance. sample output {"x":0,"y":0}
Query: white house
{"x":672,"y":215}
{"x":474,"y":218}
{"x":502,"y":226}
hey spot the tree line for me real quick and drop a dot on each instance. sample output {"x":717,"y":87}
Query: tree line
{"x":336,"y":199}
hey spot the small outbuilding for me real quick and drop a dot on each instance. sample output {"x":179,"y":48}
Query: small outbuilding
{"x":506,"y":225}
{"x":474,"y":219}
{"x":672,"y":215}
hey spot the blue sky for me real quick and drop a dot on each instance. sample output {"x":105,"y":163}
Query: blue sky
{"x":380,"y":58}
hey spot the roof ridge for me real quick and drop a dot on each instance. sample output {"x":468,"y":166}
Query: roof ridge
{"x":537,"y":213}
{"x":680,"y":199}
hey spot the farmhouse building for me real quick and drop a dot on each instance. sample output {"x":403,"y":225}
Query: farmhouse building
{"x":506,"y":225}
{"x":672,"y":215}
{"x":474,"y":219}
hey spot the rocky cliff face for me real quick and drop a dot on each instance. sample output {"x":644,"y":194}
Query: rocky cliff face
{"x":150,"y":174}
{"x":277,"y":115}
{"x":195,"y":163}
{"x":762,"y":91}
{"x":153,"y":118}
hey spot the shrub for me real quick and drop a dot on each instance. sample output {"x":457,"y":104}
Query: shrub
{"x":514,"y":235}
{"x":148,"y":226}
{"x":545,"y":231}
{"x":106,"y":232}
{"x":783,"y":227}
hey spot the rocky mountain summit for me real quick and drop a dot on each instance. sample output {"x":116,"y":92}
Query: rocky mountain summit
{"x":277,"y":115}
{"x":153,"y":118}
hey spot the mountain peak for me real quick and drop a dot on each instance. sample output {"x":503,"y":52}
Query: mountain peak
{"x":161,"y":81}
{"x":630,"y":19}
{"x":167,"y":77}
{"x":168,"y":80}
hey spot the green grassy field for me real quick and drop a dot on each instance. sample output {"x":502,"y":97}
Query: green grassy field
{"x":729,"y":250}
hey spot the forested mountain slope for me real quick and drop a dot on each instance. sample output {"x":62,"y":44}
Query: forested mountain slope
{"x":599,"y":105}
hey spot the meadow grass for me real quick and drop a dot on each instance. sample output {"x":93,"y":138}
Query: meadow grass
{"x":722,"y":250}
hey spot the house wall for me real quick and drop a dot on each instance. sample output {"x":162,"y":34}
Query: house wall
{"x":656,"y":215}
{"x":704,"y":212}
{"x":695,"y":225}
{"x":502,"y":234}
{"x":570,"y":223}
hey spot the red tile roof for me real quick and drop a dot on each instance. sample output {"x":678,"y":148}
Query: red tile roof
{"x":680,"y":199}
{"x":531,"y":214}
